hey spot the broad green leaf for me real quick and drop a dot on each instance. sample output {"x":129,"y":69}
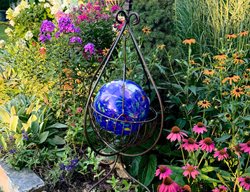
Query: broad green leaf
{"x":13,"y":123}
{"x":13,"y":110}
{"x":181,"y":122}
{"x":4,"y":115}
{"x":207,"y":169}
{"x":246,"y":118}
{"x":208,"y":179}
{"x":3,"y":143}
{"x":193,"y":89}
{"x":147,"y":169}
{"x":56,"y":141}
{"x":43,"y":136}
{"x":58,"y":126}
{"x":134,"y":169}
{"x":223,"y":138}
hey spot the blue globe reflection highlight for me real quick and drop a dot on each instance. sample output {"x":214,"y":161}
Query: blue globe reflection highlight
{"x":124,"y":101}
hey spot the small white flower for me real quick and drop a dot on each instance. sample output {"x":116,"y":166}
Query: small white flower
{"x":12,"y":23}
{"x":2,"y":44}
{"x":46,"y":5}
{"x":8,"y":31}
{"x":28,"y":35}
{"x":21,"y":43}
{"x":42,"y":1}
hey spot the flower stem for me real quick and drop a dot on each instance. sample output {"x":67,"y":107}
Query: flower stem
{"x":183,"y":157}
{"x":203,"y":156}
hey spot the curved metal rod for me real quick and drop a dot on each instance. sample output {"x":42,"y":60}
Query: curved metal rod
{"x":94,"y":84}
{"x":157,"y":93}
{"x":131,"y":177}
{"x":102,"y":179}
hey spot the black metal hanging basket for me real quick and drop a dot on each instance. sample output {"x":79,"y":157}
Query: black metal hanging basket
{"x":119,"y":133}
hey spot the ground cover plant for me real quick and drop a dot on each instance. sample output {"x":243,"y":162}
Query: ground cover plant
{"x":50,"y":53}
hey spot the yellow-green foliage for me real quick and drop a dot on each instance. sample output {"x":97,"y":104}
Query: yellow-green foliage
{"x":208,"y":21}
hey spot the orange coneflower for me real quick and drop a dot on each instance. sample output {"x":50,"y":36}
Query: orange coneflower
{"x":206,"y":81}
{"x":146,"y":30}
{"x":231,"y":36}
{"x":105,"y":51}
{"x":243,"y":33}
{"x":248,"y":69}
{"x":192,"y":62}
{"x":204,"y":104}
{"x":220,"y":67}
{"x":238,"y":61}
{"x":231,"y":79}
{"x":161,"y":46}
{"x":208,"y":72}
{"x":189,"y":41}
{"x":245,"y":76}
{"x":237,"y":92}
{"x":220,"y":57}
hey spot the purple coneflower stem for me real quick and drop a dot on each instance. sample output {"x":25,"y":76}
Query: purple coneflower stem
{"x":203,"y":156}
{"x":183,"y":157}
{"x":234,"y":174}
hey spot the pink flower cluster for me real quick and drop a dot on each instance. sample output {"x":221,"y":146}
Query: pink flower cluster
{"x":92,"y":12}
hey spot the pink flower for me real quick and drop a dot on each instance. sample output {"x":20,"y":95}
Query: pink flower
{"x":190,"y":144}
{"x":207,"y":144}
{"x":190,"y":170}
{"x":245,"y":182}
{"x":168,"y":185}
{"x":176,"y":134}
{"x":199,"y":128}
{"x":221,"y":154}
{"x":245,"y":147}
{"x":221,"y":188}
{"x":163,"y":171}
{"x":78,"y":110}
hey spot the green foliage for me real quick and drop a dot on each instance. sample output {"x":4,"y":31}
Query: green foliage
{"x":210,"y":21}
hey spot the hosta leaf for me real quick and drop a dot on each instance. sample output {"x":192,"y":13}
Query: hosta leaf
{"x":13,"y":123}
{"x":4,"y":115}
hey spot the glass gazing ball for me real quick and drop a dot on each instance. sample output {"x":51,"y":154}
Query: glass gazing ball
{"x":124,"y":101}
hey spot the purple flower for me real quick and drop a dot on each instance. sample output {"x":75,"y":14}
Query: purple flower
{"x":44,"y":37}
{"x":62,"y":166}
{"x":1,"y":147}
{"x":12,"y":151}
{"x":47,"y":26}
{"x":75,"y":40}
{"x":25,"y":135}
{"x":65,"y":25}
{"x":90,"y":47}
{"x":115,"y":8}
{"x":74,"y":162}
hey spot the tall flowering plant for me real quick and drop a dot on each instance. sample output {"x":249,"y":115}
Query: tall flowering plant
{"x":210,"y":135}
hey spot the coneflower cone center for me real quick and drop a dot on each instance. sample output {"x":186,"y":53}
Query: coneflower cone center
{"x":208,"y":141}
{"x":248,"y":143}
{"x":186,"y":188}
{"x":191,"y":141}
{"x":190,"y":169}
{"x":237,"y":90}
{"x":204,"y":102}
{"x":223,"y":152}
{"x":162,"y":168}
{"x":167,"y":181}
{"x":200,"y":124}
{"x":176,"y":129}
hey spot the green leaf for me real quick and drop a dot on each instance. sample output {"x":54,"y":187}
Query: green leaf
{"x":13,"y":123}
{"x":3,"y":143}
{"x":56,"y":141}
{"x":4,"y":115}
{"x":208,"y":169}
{"x":181,"y":122}
{"x":223,"y":138}
{"x":246,"y":118}
{"x":58,"y":126}
{"x":43,"y":137}
{"x":147,"y":169}
{"x":193,"y":89}
{"x":208,"y":179}
{"x":134,"y":169}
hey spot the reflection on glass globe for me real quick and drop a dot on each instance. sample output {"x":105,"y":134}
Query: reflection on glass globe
{"x":121,"y":100}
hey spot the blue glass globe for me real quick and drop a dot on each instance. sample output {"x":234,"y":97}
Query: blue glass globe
{"x":124,"y":101}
